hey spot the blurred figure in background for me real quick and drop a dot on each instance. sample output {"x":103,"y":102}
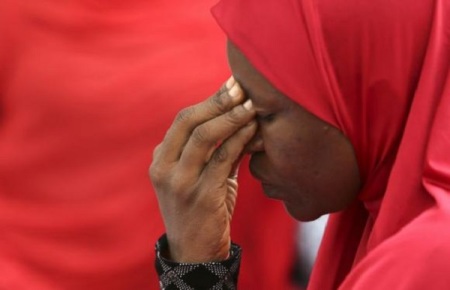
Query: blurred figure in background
{"x":86,"y":90}
{"x":309,"y":237}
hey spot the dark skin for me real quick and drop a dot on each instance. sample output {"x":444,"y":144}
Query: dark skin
{"x":300,"y":160}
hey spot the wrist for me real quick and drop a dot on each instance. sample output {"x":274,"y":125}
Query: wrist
{"x":205,"y":275}
{"x":198,"y":239}
{"x":194,"y":251}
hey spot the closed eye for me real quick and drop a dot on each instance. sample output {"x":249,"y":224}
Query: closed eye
{"x":267,"y":118}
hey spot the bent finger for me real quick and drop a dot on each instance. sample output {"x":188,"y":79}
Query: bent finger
{"x":189,"y":118}
{"x":225,"y":158}
{"x":204,"y":139}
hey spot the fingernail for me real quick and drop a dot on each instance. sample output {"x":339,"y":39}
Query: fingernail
{"x":248,"y":105}
{"x":234,"y":91}
{"x":230,"y":82}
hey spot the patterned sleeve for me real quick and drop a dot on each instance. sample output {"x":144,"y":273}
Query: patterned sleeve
{"x":192,"y":276}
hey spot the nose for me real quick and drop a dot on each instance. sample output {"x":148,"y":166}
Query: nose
{"x":256,"y":144}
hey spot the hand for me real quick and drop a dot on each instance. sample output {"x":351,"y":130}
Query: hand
{"x":194,"y":173}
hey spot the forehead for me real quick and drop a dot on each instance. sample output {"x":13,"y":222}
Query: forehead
{"x":252,"y":82}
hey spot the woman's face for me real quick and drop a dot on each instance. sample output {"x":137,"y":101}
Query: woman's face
{"x":299,"y":159}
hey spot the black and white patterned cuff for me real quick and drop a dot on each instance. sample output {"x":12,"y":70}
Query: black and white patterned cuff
{"x":192,"y":276}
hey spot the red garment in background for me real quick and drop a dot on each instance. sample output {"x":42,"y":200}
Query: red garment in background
{"x":87,"y":89}
{"x":378,"y":71}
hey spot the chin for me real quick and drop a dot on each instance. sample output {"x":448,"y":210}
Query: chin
{"x":301,"y":214}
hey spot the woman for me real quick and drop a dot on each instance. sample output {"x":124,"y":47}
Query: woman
{"x":348,"y":114}
{"x":86,"y":90}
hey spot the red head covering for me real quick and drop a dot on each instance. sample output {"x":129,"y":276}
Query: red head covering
{"x":378,"y":71}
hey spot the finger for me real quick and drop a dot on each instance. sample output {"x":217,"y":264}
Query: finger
{"x":205,"y":137}
{"x":189,"y":118}
{"x":224,"y":159}
{"x":235,"y":168}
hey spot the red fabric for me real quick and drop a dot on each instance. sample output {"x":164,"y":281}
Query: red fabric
{"x":378,"y":71}
{"x":87,"y":89}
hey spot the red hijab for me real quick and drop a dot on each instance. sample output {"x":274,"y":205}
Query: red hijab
{"x":379,"y":72}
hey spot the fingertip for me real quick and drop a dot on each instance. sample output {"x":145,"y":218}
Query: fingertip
{"x":248,"y":105}
{"x":235,"y":92}
{"x":230,"y":82}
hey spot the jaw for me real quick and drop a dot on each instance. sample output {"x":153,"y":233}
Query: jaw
{"x":302,"y":214}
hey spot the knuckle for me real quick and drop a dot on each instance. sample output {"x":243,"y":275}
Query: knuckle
{"x":185,"y":114}
{"x":223,"y":89}
{"x":221,"y":155}
{"x":156,"y":152}
{"x":201,"y":135}
{"x":157,"y":174}
{"x":218,"y":102}
{"x":235,"y":116}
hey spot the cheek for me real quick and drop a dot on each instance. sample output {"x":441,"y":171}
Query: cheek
{"x":296,"y":157}
{"x":287,"y":152}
